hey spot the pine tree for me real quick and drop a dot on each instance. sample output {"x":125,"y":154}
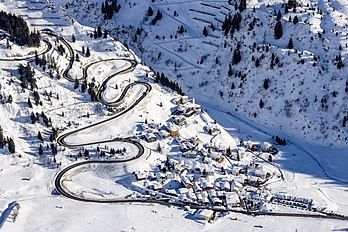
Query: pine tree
{"x":39,"y":136}
{"x":149,"y":11}
{"x":33,"y":118}
{"x":295,"y":20}
{"x":84,"y":86}
{"x":99,"y":31}
{"x":261,"y":104}
{"x":2,"y":139}
{"x":30,"y":105}
{"x":228,"y":151}
{"x":278,"y":30}
{"x":40,"y":150}
{"x":236,"y":56}
{"x":265,"y":83}
{"x":290,"y":44}
{"x":257,"y":62}
{"x":230,"y":72}
{"x":279,"y":15}
{"x":270,"y":159}
{"x":88,"y":53}
{"x":11,"y":146}
{"x":205,"y":32}
{"x":159,"y":148}
{"x":242,"y":5}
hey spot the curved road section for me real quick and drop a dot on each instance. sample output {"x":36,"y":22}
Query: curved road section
{"x":63,"y":139}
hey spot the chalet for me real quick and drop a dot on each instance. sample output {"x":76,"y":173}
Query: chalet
{"x":150,"y":137}
{"x":254,"y":181}
{"x":207,"y":185}
{"x":216,"y":201}
{"x":154,"y":185}
{"x":236,"y":170}
{"x":174,"y":163}
{"x":190,"y":154}
{"x":171,"y":192}
{"x":267,"y":147}
{"x":173,"y":130}
{"x":180,"y":120}
{"x":205,"y":198}
{"x":183,"y":191}
{"x":160,"y":176}
{"x":144,"y":127}
{"x":217,"y":157}
{"x":191,"y":197}
{"x":199,"y":197}
{"x":204,"y":214}
{"x":210,"y":171}
{"x":153,"y":125}
{"x":236,"y":186}
{"x":203,"y":152}
{"x":191,"y":109}
{"x":185,"y":180}
{"x":195,"y":141}
{"x":164,"y":134}
{"x":220,"y":194}
{"x":232,"y":199}
{"x":254,"y":147}
{"x":177,"y":101}
{"x":184,"y":99}
{"x":212,"y":130}
{"x":260,"y":173}
{"x":170,"y":175}
{"x":140,"y":176}
{"x":180,"y":110}
{"x":197,"y":187}
{"x":225,"y":186}
{"x":211,"y":193}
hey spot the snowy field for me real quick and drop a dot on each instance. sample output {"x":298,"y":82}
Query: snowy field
{"x":310,"y":171}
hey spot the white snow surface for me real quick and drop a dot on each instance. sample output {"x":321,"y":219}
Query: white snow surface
{"x":310,"y":170}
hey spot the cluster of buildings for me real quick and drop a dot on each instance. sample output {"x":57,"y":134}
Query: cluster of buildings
{"x":200,"y":173}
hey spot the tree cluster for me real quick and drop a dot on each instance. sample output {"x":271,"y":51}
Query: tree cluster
{"x":108,"y":8}
{"x":158,"y":17}
{"x":7,"y":141}
{"x":161,"y":78}
{"x":27,"y":76}
{"x":280,"y":141}
{"x":19,"y":30}
{"x":231,"y":24}
{"x":5,"y":99}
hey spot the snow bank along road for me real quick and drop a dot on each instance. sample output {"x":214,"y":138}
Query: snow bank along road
{"x":63,"y":139}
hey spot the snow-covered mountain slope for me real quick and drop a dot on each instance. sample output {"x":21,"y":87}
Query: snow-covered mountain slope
{"x":306,"y":91}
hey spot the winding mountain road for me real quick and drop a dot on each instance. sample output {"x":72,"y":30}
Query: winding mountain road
{"x":63,"y":141}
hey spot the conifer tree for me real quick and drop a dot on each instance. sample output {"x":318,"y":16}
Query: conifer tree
{"x":242,"y":5}
{"x":290,"y":44}
{"x":39,"y":136}
{"x":295,"y":20}
{"x":40,"y":150}
{"x":2,"y":139}
{"x":205,"y":32}
{"x":88,"y":53}
{"x":236,"y":56}
{"x":11,"y":146}
{"x":278,"y":30}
